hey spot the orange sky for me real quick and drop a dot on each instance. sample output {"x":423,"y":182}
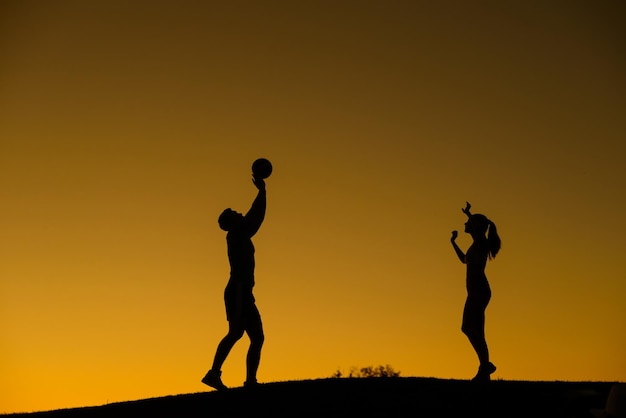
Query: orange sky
{"x":125,"y":129}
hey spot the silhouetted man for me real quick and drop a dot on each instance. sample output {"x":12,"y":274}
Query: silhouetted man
{"x":241,"y":311}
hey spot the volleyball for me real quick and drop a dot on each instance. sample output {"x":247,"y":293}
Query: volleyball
{"x":261,"y":168}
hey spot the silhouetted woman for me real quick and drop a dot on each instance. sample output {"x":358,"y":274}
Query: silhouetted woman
{"x":485,"y":246}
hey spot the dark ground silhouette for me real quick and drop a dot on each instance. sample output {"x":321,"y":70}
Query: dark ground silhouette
{"x":367,"y":397}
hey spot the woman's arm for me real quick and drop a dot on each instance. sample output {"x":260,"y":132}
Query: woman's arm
{"x":468,"y":213}
{"x":458,"y":251}
{"x":467,"y":210}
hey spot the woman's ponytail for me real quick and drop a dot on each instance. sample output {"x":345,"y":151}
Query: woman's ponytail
{"x":493,"y":240}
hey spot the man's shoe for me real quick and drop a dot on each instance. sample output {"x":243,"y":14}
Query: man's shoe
{"x":214,"y":379}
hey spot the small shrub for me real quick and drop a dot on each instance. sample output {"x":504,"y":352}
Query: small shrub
{"x":369,"y":371}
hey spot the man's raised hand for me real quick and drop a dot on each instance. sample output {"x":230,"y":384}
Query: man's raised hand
{"x":259,"y":183}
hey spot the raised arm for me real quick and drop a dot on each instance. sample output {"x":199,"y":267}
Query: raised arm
{"x":467,"y":210}
{"x":457,"y":250}
{"x":255,"y":216}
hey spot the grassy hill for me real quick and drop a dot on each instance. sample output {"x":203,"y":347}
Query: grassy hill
{"x":366,"y":397}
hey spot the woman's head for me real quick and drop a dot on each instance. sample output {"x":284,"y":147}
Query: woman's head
{"x":478,"y":225}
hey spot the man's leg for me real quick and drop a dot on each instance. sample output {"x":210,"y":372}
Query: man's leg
{"x":254,"y":330}
{"x":212,"y":378}
{"x":235,"y":332}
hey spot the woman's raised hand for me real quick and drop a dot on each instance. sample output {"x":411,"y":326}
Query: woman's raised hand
{"x":467,"y":209}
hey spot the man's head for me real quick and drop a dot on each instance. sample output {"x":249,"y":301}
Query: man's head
{"x":229,"y":219}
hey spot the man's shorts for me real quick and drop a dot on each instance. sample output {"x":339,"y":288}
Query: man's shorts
{"x":248,"y":309}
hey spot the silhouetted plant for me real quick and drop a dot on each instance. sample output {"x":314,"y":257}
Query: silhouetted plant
{"x":369,"y":371}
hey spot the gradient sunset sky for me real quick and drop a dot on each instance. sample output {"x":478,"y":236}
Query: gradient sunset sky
{"x":126,"y":127}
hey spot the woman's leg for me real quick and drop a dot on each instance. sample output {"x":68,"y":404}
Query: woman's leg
{"x":474,"y":328}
